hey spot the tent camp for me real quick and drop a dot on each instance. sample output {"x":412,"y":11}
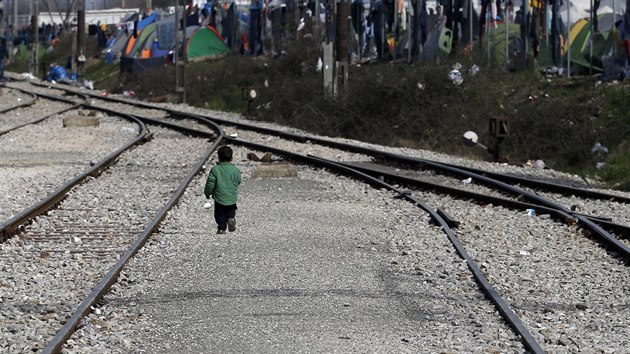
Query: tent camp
{"x":141,"y":45}
{"x":205,"y":42}
{"x":151,"y":47}
{"x":496,"y":38}
{"x":116,"y":44}
{"x":602,"y":42}
{"x":439,"y":38}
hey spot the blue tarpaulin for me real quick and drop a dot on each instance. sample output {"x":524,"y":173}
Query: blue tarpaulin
{"x":147,"y":21}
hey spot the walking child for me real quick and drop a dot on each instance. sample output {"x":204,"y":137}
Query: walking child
{"x":222,"y":185}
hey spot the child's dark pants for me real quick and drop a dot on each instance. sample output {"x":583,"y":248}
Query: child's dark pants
{"x":222,"y":213}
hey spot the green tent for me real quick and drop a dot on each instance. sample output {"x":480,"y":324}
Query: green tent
{"x":205,"y":42}
{"x":496,"y":38}
{"x":135,"y":46}
{"x":603,"y":42}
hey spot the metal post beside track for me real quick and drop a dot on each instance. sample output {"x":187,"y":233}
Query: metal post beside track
{"x":34,"y":62}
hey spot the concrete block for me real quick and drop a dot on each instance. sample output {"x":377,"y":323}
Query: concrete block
{"x":81,"y":121}
{"x":274,"y":170}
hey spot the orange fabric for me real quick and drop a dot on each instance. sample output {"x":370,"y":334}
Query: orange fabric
{"x":539,"y":4}
{"x":130,"y":43}
{"x":244,"y":41}
{"x":145,"y":54}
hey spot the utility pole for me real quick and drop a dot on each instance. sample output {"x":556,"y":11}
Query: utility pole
{"x":506,"y":17}
{"x":80,"y":46}
{"x":180,"y":39}
{"x":12,"y":31}
{"x":34,"y":62}
{"x":81,"y":25}
{"x":176,"y":50}
{"x":184,"y":56}
{"x":526,"y":19}
{"x":328,"y":52}
{"x":317,"y":22}
{"x":15,"y":17}
{"x":342,"y":37}
{"x":396,"y":30}
{"x":590,"y":42}
{"x":470,"y":28}
{"x":569,"y":37}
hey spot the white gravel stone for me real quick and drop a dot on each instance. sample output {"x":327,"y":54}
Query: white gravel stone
{"x":322,"y":263}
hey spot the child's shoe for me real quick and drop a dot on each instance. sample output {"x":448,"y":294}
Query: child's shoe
{"x":220,"y":232}
{"x":231,"y":224}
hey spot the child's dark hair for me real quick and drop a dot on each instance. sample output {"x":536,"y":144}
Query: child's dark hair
{"x":225,"y":153}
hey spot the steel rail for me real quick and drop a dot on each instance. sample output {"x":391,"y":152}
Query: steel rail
{"x":38,"y":120}
{"x":103,"y":286}
{"x":523,"y":181}
{"x":510,"y":203}
{"x":53,"y":97}
{"x":542,"y":185}
{"x":504,"y":309}
{"x":590,"y":225}
{"x":57,"y":343}
{"x":21,"y":105}
{"x":481,"y":176}
{"x":500,"y":304}
{"x":185,"y":130}
{"x":597,"y":230}
{"x":623,"y":230}
{"x":35,"y":121}
{"x":9,"y":227}
{"x":601,"y":234}
{"x":182,"y":129}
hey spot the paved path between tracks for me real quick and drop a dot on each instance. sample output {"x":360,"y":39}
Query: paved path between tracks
{"x":307,"y":270}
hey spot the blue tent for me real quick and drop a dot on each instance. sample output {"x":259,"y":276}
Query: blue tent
{"x":148,"y":20}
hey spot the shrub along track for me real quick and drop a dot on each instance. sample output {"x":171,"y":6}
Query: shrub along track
{"x":557,"y":211}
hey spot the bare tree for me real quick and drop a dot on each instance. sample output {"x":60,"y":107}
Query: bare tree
{"x":60,"y":10}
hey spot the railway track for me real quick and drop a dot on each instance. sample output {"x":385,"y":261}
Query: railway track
{"x":11,"y":100}
{"x":538,"y":316}
{"x":45,"y":159}
{"x":92,"y":226}
{"x":19,"y":116}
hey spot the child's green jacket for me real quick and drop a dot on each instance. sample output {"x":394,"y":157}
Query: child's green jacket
{"x":222,"y":184}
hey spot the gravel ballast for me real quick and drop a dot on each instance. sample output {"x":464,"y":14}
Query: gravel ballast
{"x":37,"y":159}
{"x":322,"y":263}
{"x":318,"y":263}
